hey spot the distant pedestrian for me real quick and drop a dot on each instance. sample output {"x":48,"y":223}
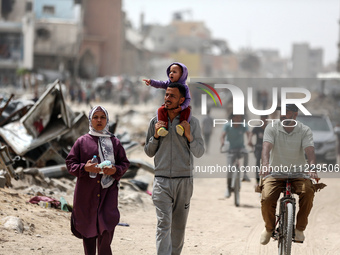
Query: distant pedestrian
{"x":80,"y":95}
{"x":337,"y":132}
{"x":264,"y":99}
{"x":89,"y":95}
{"x":258,"y":132}
{"x":207,"y":129}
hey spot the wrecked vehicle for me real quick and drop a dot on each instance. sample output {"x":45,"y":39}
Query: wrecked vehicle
{"x":44,"y":135}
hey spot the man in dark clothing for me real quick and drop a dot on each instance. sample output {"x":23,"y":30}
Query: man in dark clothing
{"x":258,"y":132}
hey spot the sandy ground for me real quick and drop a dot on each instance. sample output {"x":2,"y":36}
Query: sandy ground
{"x":215,"y":225}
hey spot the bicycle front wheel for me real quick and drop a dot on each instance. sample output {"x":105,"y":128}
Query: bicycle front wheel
{"x":285,"y":241}
{"x":237,"y":187}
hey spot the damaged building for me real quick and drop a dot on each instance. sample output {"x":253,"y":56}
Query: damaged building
{"x":68,"y":38}
{"x":16,"y":39}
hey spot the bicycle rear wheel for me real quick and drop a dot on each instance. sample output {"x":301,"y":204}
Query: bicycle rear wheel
{"x":285,"y":240}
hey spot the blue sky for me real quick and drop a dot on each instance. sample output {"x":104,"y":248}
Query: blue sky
{"x":273,"y":24}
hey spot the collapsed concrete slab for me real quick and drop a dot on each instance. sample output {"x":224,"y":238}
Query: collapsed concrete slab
{"x":43,"y":137}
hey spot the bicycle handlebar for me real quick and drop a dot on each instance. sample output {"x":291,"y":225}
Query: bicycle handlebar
{"x":288,"y":175}
{"x":241,"y":151}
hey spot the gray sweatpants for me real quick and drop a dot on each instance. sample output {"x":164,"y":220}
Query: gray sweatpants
{"x":171,"y":198}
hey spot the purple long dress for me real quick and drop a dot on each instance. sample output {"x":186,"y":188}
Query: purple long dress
{"x":94,"y":209}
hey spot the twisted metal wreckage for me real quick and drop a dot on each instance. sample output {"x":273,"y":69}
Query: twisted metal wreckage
{"x":39,"y":135}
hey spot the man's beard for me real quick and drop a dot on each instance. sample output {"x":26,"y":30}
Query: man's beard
{"x":166,"y":107}
{"x":171,"y":108}
{"x":287,"y":122}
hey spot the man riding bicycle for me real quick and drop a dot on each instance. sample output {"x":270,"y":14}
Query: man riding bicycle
{"x":285,"y":144}
{"x":233,"y":132}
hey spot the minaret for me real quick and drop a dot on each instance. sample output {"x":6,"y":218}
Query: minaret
{"x":0,"y":8}
{"x":338,"y":62}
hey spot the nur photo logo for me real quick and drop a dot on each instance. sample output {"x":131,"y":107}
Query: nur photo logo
{"x":204,"y":97}
{"x":244,"y":96}
{"x":239,"y":102}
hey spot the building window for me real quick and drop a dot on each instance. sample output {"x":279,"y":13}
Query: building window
{"x":43,"y":33}
{"x":10,"y":46}
{"x":28,"y":6}
{"x":48,"y":9}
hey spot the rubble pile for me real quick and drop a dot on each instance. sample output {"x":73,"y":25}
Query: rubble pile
{"x":36,"y":190}
{"x":39,"y":135}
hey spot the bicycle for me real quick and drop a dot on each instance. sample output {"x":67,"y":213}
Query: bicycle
{"x":284,"y":232}
{"x":235,"y":185}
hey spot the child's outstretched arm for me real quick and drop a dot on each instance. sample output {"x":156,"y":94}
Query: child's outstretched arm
{"x":159,"y":84}
{"x":147,"y":82}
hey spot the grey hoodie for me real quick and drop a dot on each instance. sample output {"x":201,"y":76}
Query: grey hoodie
{"x":173,"y":153}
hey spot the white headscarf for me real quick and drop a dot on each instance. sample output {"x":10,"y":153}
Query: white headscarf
{"x":105,"y":146}
{"x":105,"y":132}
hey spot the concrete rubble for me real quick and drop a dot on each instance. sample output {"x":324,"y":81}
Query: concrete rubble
{"x":34,"y":142}
{"x":36,"y":185}
{"x":37,"y":137}
{"x":14,"y":223}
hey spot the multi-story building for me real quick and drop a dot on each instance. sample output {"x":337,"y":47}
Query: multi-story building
{"x":57,"y":35}
{"x":101,"y":49}
{"x":272,"y":64}
{"x":306,"y":62}
{"x":190,"y":42}
{"x":16,"y":39}
{"x":81,"y":38}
